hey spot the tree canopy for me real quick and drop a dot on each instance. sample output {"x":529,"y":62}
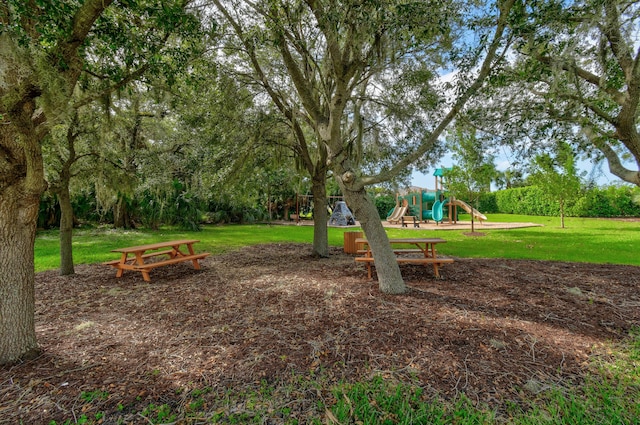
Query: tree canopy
{"x":574,"y":75}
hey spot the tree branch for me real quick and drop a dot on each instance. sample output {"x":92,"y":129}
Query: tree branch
{"x":613,"y":160}
{"x":611,"y":30}
{"x":430,"y":141}
{"x":589,"y":77}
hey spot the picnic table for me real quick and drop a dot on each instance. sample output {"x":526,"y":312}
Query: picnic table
{"x":135,"y":257}
{"x":424,"y":252}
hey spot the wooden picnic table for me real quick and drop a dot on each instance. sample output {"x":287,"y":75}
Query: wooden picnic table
{"x":135,"y":257}
{"x":424,"y":253}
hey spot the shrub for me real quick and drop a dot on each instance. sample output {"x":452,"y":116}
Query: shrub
{"x":49,"y":212}
{"x":529,"y":200}
{"x":612,"y":201}
{"x":384,"y":204}
{"x":487,"y":203}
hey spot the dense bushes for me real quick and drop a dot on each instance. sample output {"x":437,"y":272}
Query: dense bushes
{"x":384,"y":204}
{"x":176,"y":207}
{"x":608,"y":202}
{"x":487,"y":203}
{"x":612,"y":201}
{"x":530,"y":200}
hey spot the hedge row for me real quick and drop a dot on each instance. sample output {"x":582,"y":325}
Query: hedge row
{"x":612,"y":201}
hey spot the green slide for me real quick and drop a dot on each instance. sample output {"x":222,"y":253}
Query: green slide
{"x":437,"y":211}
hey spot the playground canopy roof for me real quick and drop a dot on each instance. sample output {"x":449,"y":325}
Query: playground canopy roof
{"x":440,"y":172}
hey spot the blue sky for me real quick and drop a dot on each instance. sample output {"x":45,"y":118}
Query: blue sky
{"x":427,"y":180}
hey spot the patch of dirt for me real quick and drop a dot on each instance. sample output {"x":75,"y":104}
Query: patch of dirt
{"x":493,"y":329}
{"x":477,"y":234}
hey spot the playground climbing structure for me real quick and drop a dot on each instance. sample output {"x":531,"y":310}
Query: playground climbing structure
{"x":433,"y":205}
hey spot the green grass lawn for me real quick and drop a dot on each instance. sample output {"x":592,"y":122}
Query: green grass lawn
{"x":583,"y":240}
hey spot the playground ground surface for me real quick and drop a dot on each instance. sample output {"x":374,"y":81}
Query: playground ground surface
{"x":479,"y":226}
{"x":193,"y":342}
{"x":464,"y":225}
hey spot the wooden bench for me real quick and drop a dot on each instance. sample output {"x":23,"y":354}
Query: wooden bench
{"x":425,"y":246}
{"x":139,"y":254}
{"x":410,"y":260}
{"x":436,"y":262}
{"x":416,"y":223}
{"x":152,"y":265}
{"x":395,"y":251}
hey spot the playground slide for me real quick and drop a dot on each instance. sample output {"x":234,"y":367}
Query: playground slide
{"x":477,"y":214}
{"x":436,"y":211}
{"x":393,"y":213}
{"x":397,"y":218}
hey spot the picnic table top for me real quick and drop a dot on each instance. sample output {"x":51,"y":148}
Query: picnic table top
{"x":407,"y":240}
{"x":158,"y":245}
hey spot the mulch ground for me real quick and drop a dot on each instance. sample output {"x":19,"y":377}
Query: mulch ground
{"x":495,"y":330}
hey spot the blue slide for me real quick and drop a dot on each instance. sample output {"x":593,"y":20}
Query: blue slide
{"x":437,"y":211}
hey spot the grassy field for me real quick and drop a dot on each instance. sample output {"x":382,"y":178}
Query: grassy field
{"x":583,"y":240}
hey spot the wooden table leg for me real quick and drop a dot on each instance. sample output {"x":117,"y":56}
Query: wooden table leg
{"x":430,"y":252}
{"x":196,"y":264}
{"x":177,"y":253}
{"x":123,"y":260}
{"x":140,"y":262}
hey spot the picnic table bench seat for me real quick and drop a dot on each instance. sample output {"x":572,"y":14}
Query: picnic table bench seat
{"x":173,"y":260}
{"x":425,"y":247}
{"x":396,"y":251}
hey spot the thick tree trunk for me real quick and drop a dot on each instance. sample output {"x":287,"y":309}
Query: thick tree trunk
{"x":66,"y":232}
{"x":389,"y":277}
{"x":18,"y":218}
{"x":320,"y":229}
{"x":121,"y":219}
{"x":21,"y":186}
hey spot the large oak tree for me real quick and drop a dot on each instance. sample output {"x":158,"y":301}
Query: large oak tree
{"x":335,"y":57}
{"x":46,"y":50}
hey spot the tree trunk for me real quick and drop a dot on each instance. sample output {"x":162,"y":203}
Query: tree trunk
{"x":66,"y":231}
{"x":320,"y":229}
{"x":18,"y":218}
{"x":21,"y":186}
{"x":389,"y":277}
{"x":61,"y":190}
{"x":121,"y":219}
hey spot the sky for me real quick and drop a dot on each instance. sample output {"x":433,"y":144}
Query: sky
{"x":427,"y":180}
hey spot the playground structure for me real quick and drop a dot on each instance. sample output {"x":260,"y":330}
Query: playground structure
{"x":433,"y":205}
{"x":341,"y":215}
{"x":304,"y":207}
